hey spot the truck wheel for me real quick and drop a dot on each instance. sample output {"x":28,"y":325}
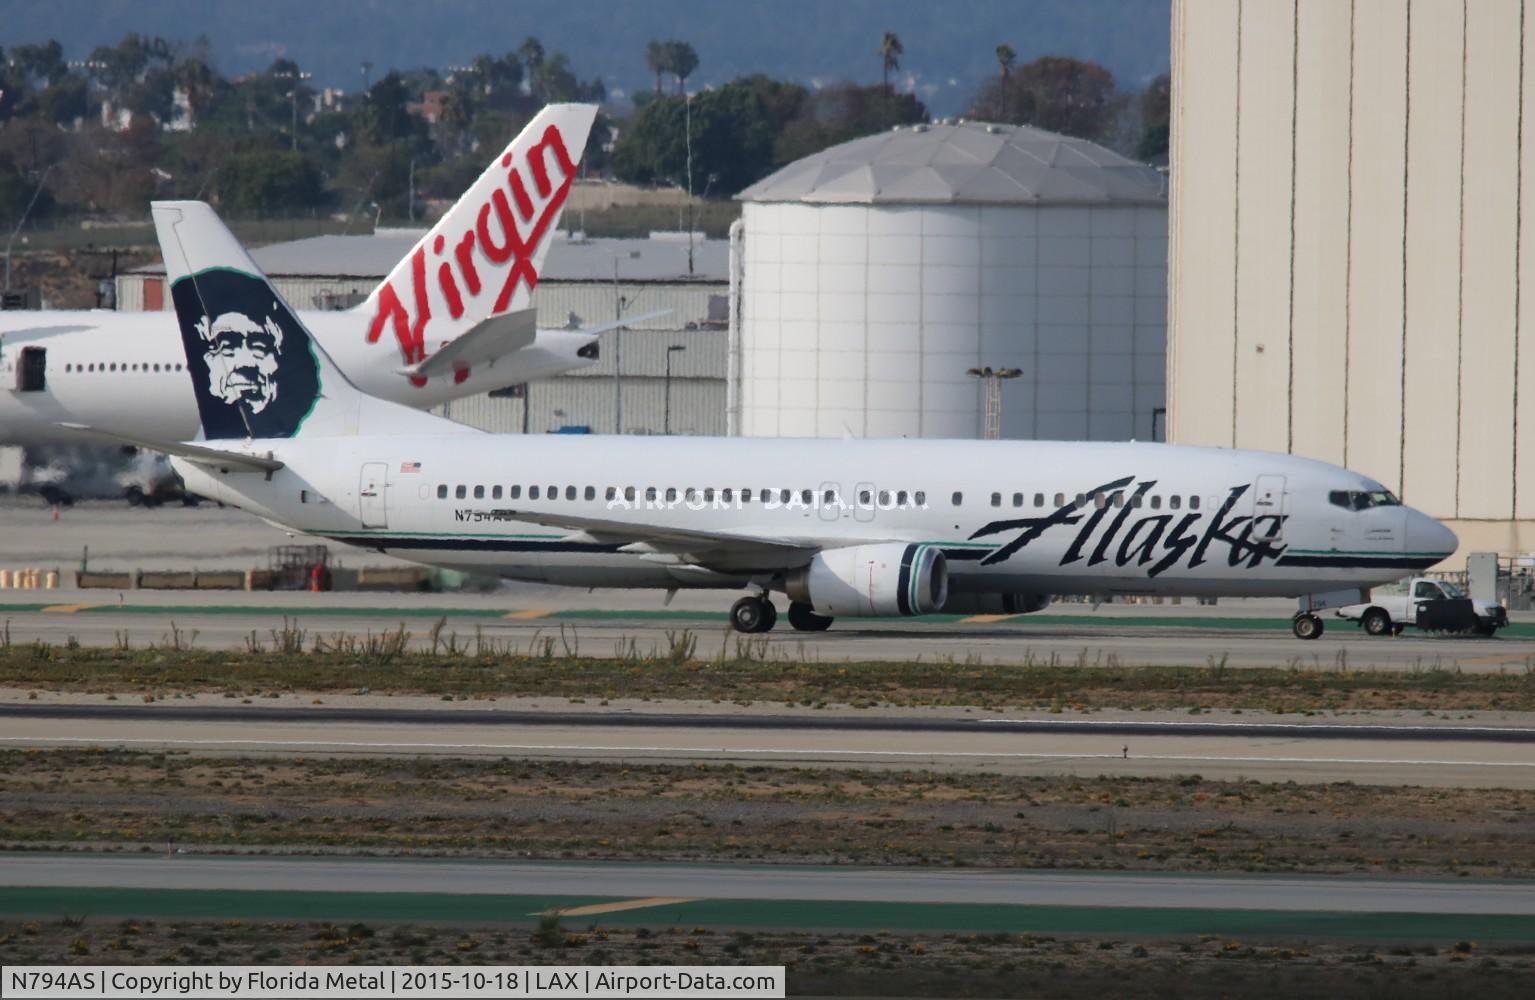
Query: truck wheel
{"x":1377,"y":622}
{"x":1306,"y":626}
{"x":1486,"y":628}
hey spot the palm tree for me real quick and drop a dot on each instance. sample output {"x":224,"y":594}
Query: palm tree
{"x":1006,"y":57}
{"x":890,"y":52}
{"x":658,"y":58}
{"x":683,"y":59}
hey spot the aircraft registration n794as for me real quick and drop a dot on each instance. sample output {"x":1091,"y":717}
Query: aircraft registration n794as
{"x":452,"y":319}
{"x":842,"y":527}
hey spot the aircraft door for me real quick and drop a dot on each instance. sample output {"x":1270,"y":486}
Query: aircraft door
{"x":372,"y":495}
{"x":1269,"y":509}
{"x":32,"y":375}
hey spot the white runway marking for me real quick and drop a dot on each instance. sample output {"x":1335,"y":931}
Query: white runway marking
{"x":758,"y":751}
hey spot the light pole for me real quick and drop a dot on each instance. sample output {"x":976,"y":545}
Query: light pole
{"x":298,"y":77}
{"x":666,"y":420}
{"x":23,"y":221}
{"x":993,"y":378}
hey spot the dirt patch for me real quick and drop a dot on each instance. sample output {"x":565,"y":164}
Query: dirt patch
{"x":120,"y":800}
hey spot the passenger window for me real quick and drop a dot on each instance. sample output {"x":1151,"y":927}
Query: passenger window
{"x":746,"y":496}
{"x":726,"y":494}
{"x":479,"y":493}
{"x":1100,"y":501}
{"x":1156,"y":502}
{"x":532,"y":492}
{"x":1081,"y":499}
{"x":1174,"y":502}
{"x":1193,"y":503}
{"x":442,"y":491}
{"x":919,"y":498}
{"x":650,"y":493}
{"x":612,"y":493}
{"x":460,"y":492}
{"x":1060,"y":499}
{"x":864,"y":496}
{"x":671,"y":494}
{"x":570,"y":493}
{"x":515,"y":492}
{"x":884,"y":498}
{"x":552,"y":493}
{"x":957,"y":498}
{"x":783,"y":496}
{"x":629,"y":493}
{"x":591,"y":493}
{"x":1017,"y":499}
{"x":996,"y":499}
{"x":900,"y":498}
{"x":495,"y":493}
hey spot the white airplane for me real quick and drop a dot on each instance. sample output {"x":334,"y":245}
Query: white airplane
{"x":843,"y":527}
{"x":452,"y":319}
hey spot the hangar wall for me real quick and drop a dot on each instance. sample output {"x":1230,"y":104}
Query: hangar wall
{"x":1347,"y":275}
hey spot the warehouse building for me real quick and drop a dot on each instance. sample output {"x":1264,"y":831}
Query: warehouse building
{"x":585,"y":282}
{"x":1347,"y":275}
{"x":876,"y":273}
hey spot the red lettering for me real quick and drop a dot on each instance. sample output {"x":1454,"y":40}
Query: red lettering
{"x":392,"y":310}
{"x":450,"y":290}
{"x":497,"y":254}
{"x":551,"y":142}
{"x":520,"y":192}
{"x":465,"y":254}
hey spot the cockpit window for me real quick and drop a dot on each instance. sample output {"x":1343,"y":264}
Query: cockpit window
{"x":1362,"y":500}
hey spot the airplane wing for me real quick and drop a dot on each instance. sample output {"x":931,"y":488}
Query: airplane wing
{"x":616,"y":323}
{"x":714,"y":549}
{"x":487,"y":340}
{"x":216,"y":457}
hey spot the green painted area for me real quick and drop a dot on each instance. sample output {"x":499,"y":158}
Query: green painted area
{"x":174,"y":904}
{"x":1278,"y":623}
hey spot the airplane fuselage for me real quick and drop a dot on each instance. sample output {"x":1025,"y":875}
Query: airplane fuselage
{"x":126,"y":371}
{"x":1009,"y":516}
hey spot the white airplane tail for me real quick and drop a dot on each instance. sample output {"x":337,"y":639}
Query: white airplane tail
{"x":256,"y":370}
{"x":483,"y":257}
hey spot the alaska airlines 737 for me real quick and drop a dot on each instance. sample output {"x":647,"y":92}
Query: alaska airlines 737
{"x":843,"y":528}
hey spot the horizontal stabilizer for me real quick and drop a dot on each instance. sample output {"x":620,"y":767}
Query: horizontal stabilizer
{"x":615,"y":324}
{"x":193,"y":453}
{"x":491,"y":338}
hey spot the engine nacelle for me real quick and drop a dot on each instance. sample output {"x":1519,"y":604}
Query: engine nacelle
{"x":995,"y":604}
{"x":867,"y":581}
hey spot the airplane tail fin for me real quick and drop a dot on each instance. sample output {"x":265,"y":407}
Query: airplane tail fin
{"x":255,"y":369}
{"x":484,"y":256}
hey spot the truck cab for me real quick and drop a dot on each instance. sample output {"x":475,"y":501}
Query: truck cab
{"x":1426,"y":603}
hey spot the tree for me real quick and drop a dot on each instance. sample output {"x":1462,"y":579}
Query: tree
{"x":1006,"y":57}
{"x":268,"y":181}
{"x":890,"y":52}
{"x":1056,"y":93}
{"x":658,"y":59}
{"x":682,"y":60}
{"x":1156,"y":117}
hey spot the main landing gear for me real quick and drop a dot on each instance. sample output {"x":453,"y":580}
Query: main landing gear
{"x":757,"y":614}
{"x":1306,"y":625}
{"x":753,"y":614}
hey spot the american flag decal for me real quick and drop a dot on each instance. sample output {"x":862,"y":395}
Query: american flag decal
{"x":410,"y":466}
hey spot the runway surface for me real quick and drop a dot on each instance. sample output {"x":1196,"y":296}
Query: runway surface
{"x":1432,"y":756}
{"x":1115,"y":636}
{"x":763,"y":882}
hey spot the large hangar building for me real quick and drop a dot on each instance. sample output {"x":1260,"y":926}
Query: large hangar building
{"x":875,"y":273}
{"x":1348,"y":277}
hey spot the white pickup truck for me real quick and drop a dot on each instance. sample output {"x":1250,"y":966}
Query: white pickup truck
{"x":1427,"y":603}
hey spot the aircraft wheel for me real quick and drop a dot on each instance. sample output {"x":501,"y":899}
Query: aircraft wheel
{"x":1377,"y":622}
{"x":804,"y":618}
{"x":752,"y":614}
{"x":1307,"y":626}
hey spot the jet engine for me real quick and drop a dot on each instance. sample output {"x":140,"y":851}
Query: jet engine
{"x":873,"y":580}
{"x":995,"y":604}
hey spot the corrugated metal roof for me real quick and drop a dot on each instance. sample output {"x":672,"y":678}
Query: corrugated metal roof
{"x":374,"y":256}
{"x":964,"y":162}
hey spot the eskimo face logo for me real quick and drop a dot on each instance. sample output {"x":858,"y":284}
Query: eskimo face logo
{"x":241,"y":356}
{"x":250,"y":361}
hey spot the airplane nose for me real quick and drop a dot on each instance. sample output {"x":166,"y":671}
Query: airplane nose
{"x":1426,"y":535}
